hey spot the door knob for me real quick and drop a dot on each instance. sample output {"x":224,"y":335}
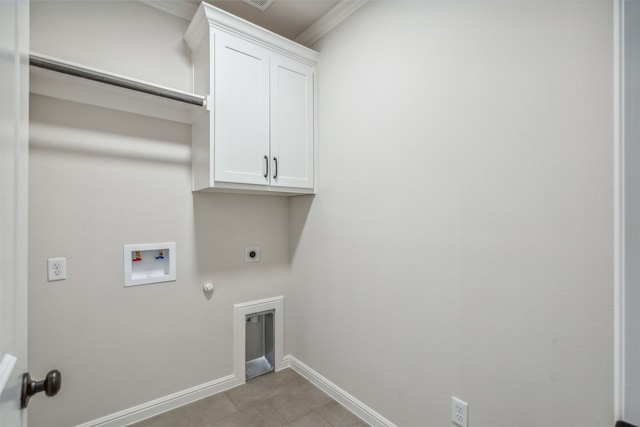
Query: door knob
{"x":50,"y":385}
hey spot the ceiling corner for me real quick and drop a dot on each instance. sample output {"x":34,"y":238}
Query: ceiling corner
{"x":329,"y":21}
{"x":181,"y":9}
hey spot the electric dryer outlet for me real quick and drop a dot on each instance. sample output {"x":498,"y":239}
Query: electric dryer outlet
{"x":252,"y":254}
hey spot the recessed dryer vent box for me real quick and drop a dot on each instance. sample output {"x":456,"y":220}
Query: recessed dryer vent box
{"x":149,"y":263}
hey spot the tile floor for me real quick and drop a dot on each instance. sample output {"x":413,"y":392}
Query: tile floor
{"x":272,"y":400}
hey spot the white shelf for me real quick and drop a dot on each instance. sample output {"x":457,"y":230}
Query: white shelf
{"x":73,"y":82}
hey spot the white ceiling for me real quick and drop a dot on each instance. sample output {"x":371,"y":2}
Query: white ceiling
{"x":289,"y":18}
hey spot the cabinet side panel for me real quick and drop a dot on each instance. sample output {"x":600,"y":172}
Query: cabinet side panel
{"x":201,"y":66}
{"x":201,"y":162}
{"x":201,"y":135}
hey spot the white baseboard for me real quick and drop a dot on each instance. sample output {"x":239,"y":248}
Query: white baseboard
{"x":190,"y":395}
{"x":166,"y":403}
{"x":339,"y":395}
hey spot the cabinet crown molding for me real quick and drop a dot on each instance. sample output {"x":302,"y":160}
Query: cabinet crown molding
{"x":209,"y":17}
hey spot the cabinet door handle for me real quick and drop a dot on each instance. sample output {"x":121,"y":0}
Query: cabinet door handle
{"x":275,"y":162}
{"x":266,"y":167}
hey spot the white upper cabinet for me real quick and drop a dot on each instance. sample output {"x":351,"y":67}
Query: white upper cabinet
{"x":291,"y":123}
{"x":258,"y":132}
{"x":240,"y":104}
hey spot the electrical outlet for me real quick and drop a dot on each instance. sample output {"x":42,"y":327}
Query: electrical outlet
{"x":459,"y":412}
{"x":56,"y":269}
{"x":252,"y":254}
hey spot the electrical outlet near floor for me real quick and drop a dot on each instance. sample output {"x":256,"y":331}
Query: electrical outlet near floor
{"x":56,"y":269}
{"x":459,"y":412}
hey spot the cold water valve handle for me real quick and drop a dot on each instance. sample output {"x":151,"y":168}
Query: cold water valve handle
{"x":50,"y":385}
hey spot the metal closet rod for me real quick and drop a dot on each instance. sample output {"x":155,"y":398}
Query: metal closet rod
{"x":94,"y":75}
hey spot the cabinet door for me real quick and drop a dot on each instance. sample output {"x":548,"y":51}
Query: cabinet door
{"x":291,"y":123}
{"x":241,"y":111}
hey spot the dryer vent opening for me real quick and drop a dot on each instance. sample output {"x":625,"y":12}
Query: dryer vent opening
{"x":259,"y":343}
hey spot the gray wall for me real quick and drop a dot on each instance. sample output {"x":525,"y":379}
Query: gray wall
{"x":460,"y":242}
{"x":461,"y":239}
{"x":100,"y":179}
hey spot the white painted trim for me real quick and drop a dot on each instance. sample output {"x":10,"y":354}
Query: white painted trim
{"x":196,"y":31}
{"x":164,"y":404}
{"x":190,"y":395}
{"x":361,"y":410}
{"x":181,"y":9}
{"x":312,"y":34}
{"x":173,"y":401}
{"x":286,"y":363}
{"x":14,"y":206}
{"x":6,"y":367}
{"x":240,"y":312}
{"x":329,"y":21}
{"x":618,"y":210}
{"x":210,"y":18}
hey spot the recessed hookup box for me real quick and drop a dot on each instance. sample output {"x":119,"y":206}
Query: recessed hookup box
{"x":148,"y":263}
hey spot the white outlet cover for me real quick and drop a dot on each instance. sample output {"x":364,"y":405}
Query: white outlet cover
{"x":459,"y":412}
{"x":56,"y":269}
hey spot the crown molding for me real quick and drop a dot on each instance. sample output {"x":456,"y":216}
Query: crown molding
{"x":181,"y":9}
{"x":315,"y":32}
{"x":329,"y":21}
{"x":208,"y":18}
